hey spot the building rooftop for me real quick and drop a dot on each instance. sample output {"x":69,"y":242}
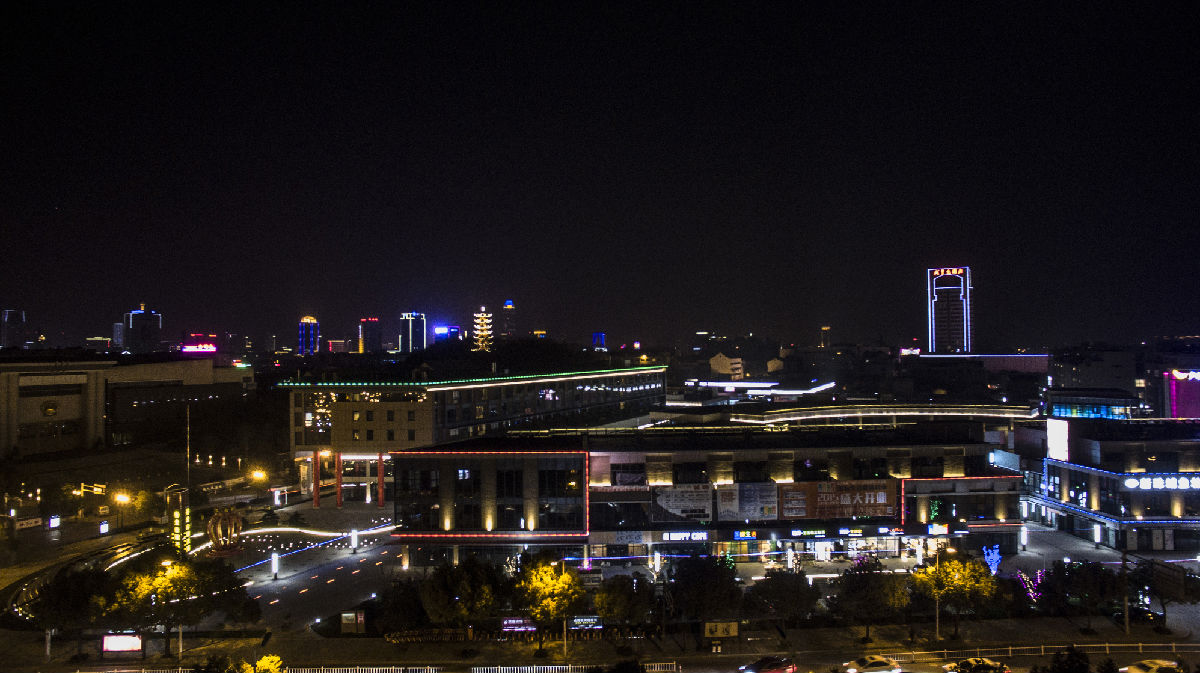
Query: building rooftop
{"x":492,"y":380}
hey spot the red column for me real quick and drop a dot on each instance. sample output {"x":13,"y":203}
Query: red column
{"x":316,"y":479}
{"x":338,"y":478}
{"x":379,"y":481}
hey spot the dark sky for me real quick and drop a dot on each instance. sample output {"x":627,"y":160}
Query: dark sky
{"x":645,"y":169}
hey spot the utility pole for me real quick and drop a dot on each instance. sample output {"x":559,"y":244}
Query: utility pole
{"x":188,"y":445}
{"x":1125,"y":589}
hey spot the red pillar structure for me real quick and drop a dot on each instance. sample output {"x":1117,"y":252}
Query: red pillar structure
{"x":316,"y":479}
{"x":379,"y":480}
{"x":338,"y":478}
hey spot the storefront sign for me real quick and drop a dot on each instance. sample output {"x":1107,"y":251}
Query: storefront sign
{"x":1180,"y":482}
{"x":586,"y":622}
{"x":685,"y":536}
{"x":517,"y":624}
{"x":808,"y":532}
{"x":745,"y":535}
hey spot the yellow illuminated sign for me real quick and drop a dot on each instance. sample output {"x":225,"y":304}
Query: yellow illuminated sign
{"x":954,"y":271}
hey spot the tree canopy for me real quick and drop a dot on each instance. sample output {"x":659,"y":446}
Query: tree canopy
{"x":955,"y":583}
{"x":625,"y":599}
{"x":705,"y":587}
{"x":550,"y":593}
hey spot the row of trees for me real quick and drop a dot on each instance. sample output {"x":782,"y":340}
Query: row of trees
{"x":148,"y":591}
{"x":477,"y":594}
{"x":1088,"y":588}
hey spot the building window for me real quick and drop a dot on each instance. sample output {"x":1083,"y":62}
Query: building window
{"x":412,"y":435}
{"x":391,"y":415}
{"x":370,"y":415}
{"x":391,"y":435}
{"x":412,"y":416}
{"x":370,"y":435}
{"x":509,"y":484}
{"x":355,"y":435}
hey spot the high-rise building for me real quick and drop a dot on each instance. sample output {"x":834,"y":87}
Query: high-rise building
{"x":481,"y":331}
{"x":309,"y":341}
{"x":825,"y":333}
{"x":118,"y":335}
{"x":12,"y":328}
{"x":599,"y":342}
{"x":337,"y":345}
{"x":370,"y":336}
{"x":142,"y":330}
{"x":508,"y":320}
{"x":950,"y":321}
{"x":412,"y":335}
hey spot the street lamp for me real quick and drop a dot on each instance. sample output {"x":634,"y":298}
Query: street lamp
{"x":937,"y":596}
{"x":122,"y":499}
{"x":562,"y":574}
{"x":258,"y":477}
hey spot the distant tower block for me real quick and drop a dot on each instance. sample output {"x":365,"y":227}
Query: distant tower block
{"x":413,"y":335}
{"x":482,"y":331}
{"x":598,"y":342}
{"x":948,"y":293}
{"x":825,"y":329}
{"x":370,"y":336}
{"x":309,"y":337}
{"x":508,"y":320}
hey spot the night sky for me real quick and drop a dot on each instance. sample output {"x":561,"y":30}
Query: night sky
{"x":644,"y":169}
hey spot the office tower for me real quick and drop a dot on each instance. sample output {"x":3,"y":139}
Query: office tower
{"x":508,"y":320}
{"x":950,"y":321}
{"x":118,"y":335}
{"x":598,"y":342}
{"x":370,"y":336}
{"x":12,"y":328}
{"x":98,"y":344}
{"x":482,"y":330}
{"x":142,"y":331}
{"x":825,"y":332}
{"x":310,"y":336}
{"x":412,"y":335}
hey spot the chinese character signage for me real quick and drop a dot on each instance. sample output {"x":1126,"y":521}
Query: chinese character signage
{"x":837,"y":499}
{"x":720,"y":629}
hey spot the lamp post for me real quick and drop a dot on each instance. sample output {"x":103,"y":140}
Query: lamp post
{"x":937,"y":595}
{"x":121,"y":499}
{"x":258,"y":477}
{"x":562,"y":575}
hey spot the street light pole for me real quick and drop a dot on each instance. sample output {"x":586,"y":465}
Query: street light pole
{"x":562,"y":576}
{"x":937,"y":595}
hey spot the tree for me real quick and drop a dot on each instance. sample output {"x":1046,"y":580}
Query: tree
{"x":958,"y":584}
{"x":782,"y":595}
{"x":868,"y":593}
{"x":1093,"y":585}
{"x":625,"y":599}
{"x":550,"y":595}
{"x":1169,"y":584}
{"x":458,"y":595}
{"x":400,"y":608}
{"x":705,"y":587}
{"x":1070,"y":660}
{"x":69,"y":601}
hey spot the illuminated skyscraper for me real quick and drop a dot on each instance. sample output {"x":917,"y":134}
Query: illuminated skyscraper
{"x":370,"y":336}
{"x":309,"y":341}
{"x":950,"y":321}
{"x":412,"y":332}
{"x":481,"y":331}
{"x":142,"y":331}
{"x":508,"y":321}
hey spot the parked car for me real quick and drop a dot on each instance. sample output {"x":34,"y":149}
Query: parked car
{"x":872,"y":663}
{"x":1151,"y":666}
{"x":770,"y":665}
{"x":1138,"y":614}
{"x":976,"y":665}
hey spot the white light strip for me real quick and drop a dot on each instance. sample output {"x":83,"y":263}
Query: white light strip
{"x":548,"y":379}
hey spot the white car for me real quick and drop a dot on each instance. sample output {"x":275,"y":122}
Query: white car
{"x":873,"y":663}
{"x":1151,"y":666}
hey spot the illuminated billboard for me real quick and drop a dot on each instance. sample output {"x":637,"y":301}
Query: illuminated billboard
{"x":1056,"y":439}
{"x":121,"y":642}
{"x":1182,"y":389}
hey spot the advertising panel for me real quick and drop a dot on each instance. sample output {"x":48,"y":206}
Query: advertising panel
{"x":838,"y":499}
{"x":754,"y":502}
{"x":685,"y":502}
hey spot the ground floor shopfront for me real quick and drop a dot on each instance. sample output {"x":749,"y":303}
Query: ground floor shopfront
{"x":1122,"y":533}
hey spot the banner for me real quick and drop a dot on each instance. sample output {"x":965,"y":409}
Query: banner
{"x":685,"y":502}
{"x":754,"y":502}
{"x":838,"y":499}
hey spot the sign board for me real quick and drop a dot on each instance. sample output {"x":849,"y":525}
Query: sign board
{"x":754,"y":502}
{"x":121,"y":642}
{"x":684,"y":502}
{"x":720,"y":629}
{"x":842,"y":499}
{"x":511,"y":624}
{"x":586,"y":622}
{"x":29,"y":523}
{"x":354,"y":622}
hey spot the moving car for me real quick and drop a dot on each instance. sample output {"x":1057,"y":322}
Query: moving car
{"x":1152,"y":666}
{"x":976,"y":665}
{"x":770,"y":665}
{"x":1138,"y":615}
{"x":872,"y":663}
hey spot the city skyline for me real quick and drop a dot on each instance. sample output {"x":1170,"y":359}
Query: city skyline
{"x":766,"y":171}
